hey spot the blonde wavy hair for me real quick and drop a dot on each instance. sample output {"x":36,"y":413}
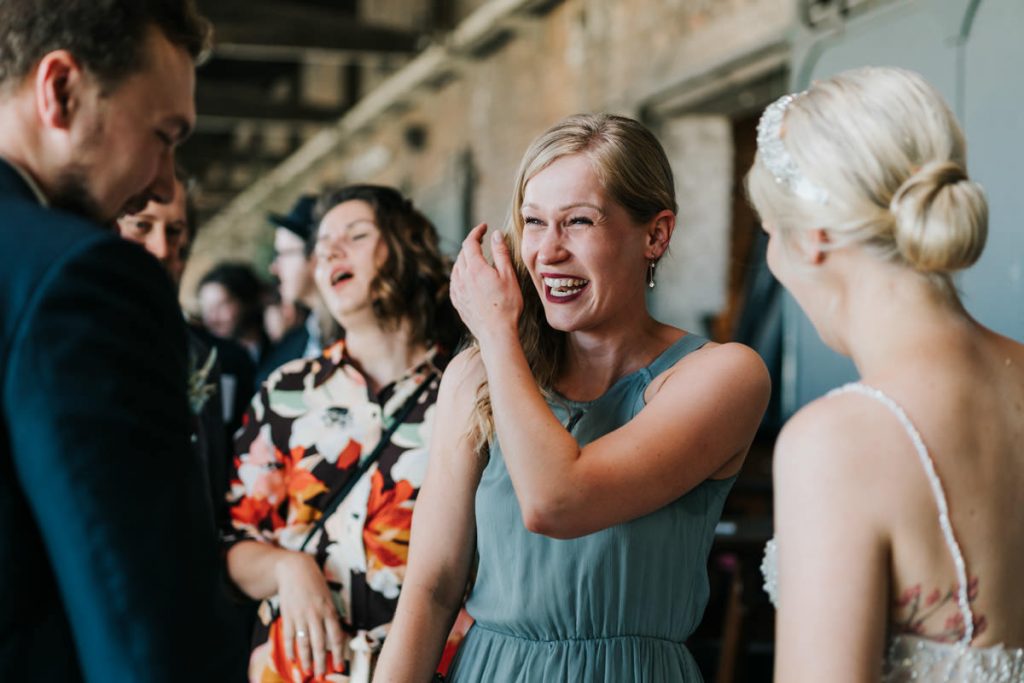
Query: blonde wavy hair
{"x":634,"y":171}
{"x":888,"y":151}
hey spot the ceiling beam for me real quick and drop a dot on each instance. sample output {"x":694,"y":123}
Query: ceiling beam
{"x":271,"y":55}
{"x":201,"y":150}
{"x":253,"y":52}
{"x":242,"y":101}
{"x":290,"y":24}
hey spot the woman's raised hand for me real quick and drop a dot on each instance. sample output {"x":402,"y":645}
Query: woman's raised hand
{"x":487,"y":297}
{"x":309,"y":619}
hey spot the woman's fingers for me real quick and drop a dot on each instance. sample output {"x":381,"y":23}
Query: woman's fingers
{"x":302,"y":646}
{"x":485,"y":295}
{"x":472,"y":251}
{"x":502,"y":256}
{"x":318,"y":644}
{"x":288,"y":636}
{"x":310,"y":639}
{"x":335,"y":640}
{"x":464,"y":272}
{"x":309,"y":619}
{"x":475,"y":235}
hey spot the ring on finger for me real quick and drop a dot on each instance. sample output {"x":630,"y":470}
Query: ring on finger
{"x":300,"y":633}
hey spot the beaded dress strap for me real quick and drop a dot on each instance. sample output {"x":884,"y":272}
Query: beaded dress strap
{"x":940,"y":498}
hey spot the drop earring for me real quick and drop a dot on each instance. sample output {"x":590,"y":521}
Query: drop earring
{"x":650,"y":274}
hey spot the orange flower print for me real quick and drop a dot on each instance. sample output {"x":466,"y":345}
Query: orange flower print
{"x":388,"y":522}
{"x":251,"y":511}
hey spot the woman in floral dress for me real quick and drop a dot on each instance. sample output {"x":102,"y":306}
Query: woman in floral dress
{"x":346,"y":433}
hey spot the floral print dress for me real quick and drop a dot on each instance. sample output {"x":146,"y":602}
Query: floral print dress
{"x":302,"y":439}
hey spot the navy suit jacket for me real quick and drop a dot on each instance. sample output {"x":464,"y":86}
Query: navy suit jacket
{"x":108,"y":563}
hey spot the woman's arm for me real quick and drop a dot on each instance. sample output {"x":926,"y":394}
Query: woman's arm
{"x":832,"y":548}
{"x":310,"y":625}
{"x":443,"y":534}
{"x":261,"y":570}
{"x":699,"y":423}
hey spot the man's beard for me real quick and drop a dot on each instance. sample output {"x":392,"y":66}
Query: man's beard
{"x":72,"y":194}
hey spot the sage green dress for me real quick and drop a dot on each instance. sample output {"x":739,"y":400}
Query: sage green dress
{"x":615,"y":605}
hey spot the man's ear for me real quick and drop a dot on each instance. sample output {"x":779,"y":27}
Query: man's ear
{"x":59,"y":81}
{"x":659,"y":234}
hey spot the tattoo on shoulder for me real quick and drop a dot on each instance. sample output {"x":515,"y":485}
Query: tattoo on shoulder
{"x":913,"y":608}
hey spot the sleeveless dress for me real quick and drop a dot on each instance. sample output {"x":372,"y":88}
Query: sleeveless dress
{"x":915,"y":658}
{"x":614,"y":605}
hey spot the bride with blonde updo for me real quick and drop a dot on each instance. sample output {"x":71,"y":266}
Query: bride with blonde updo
{"x":899,"y":533}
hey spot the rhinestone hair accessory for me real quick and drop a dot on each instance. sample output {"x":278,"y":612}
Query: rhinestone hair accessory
{"x":775,"y":156}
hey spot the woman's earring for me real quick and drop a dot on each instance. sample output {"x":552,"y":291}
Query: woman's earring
{"x":650,"y":274}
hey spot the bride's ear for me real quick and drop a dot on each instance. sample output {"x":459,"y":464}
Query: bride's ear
{"x":815,"y":246}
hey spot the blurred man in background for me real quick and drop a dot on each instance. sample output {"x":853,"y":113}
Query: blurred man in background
{"x":293,"y":268}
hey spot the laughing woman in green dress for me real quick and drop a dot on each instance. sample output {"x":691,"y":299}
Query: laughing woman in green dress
{"x":588,"y":447}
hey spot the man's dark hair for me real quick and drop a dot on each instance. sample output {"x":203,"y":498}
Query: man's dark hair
{"x":105,"y":36}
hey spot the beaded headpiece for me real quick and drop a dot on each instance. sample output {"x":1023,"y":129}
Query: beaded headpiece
{"x":776,"y":157}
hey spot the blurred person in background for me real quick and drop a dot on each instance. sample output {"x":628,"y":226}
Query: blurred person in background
{"x":162,"y":230}
{"x":230,"y":299}
{"x":166,"y":230}
{"x":293,"y":266}
{"x":277,"y":318}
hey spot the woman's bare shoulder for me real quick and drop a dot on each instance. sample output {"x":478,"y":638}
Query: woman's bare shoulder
{"x":715,"y":367}
{"x":843,"y":463}
{"x":840,"y":442}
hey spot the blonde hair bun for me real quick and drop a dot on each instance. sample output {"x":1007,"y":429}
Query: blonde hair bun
{"x":941,"y":218}
{"x":889,"y":157}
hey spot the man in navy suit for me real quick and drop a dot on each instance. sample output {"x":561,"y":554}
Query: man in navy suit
{"x":108,"y":564}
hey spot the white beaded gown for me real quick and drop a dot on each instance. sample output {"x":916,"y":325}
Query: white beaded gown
{"x":915,"y":658}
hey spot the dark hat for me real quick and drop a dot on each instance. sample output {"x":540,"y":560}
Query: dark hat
{"x":300,"y":219}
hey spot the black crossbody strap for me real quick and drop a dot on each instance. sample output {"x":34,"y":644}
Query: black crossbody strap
{"x":397,"y":419}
